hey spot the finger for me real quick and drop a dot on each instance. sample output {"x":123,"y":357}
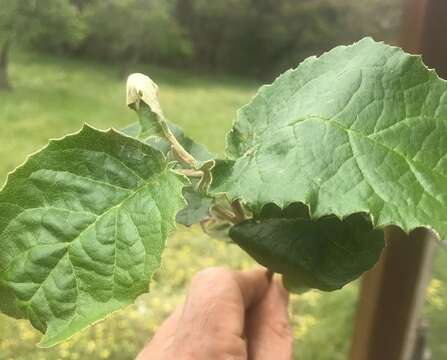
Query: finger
{"x":253,"y":285}
{"x":268,"y":331}
{"x":222,"y":284}
{"x":218,"y":297}
{"x":163,"y":338}
{"x":213,"y":317}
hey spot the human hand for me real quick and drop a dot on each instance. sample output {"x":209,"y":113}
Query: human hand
{"x":231,"y":315}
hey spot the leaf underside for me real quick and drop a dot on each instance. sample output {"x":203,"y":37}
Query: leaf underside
{"x":197,"y":209}
{"x":324,"y":254}
{"x":363,"y":128}
{"x":83,"y":224}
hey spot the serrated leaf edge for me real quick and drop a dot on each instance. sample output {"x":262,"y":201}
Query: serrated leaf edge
{"x":44,"y":343}
{"x":265,"y":88}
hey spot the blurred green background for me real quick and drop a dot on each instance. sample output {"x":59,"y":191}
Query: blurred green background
{"x":64,"y":62}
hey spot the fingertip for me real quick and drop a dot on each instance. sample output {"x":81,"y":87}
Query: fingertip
{"x":253,"y":285}
{"x":268,"y":326}
{"x":278,"y":286}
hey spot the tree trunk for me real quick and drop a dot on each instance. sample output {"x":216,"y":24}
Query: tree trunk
{"x":4,"y":57}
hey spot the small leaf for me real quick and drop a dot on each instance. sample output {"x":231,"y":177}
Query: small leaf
{"x":363,"y":128}
{"x":198,"y":207}
{"x":142,"y":96}
{"x":198,"y":203}
{"x":83,"y":224}
{"x":199,"y":151}
{"x":324,"y":254}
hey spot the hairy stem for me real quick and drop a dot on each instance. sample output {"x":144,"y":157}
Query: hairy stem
{"x":224,"y":214}
{"x":190,"y":172}
{"x":238,"y":210}
{"x":176,"y":147}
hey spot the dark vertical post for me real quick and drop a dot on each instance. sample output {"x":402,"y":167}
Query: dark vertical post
{"x":392,"y":293}
{"x":391,"y":297}
{"x":434,"y":45}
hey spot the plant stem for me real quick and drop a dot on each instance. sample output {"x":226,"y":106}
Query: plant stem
{"x":140,"y":88}
{"x":238,"y":210}
{"x":190,"y":172}
{"x":225,"y":214}
{"x":176,"y":147}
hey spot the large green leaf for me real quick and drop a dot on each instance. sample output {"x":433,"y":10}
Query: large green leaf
{"x":324,"y":254}
{"x":363,"y":128}
{"x":83,"y":224}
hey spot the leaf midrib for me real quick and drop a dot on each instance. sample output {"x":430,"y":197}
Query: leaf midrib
{"x":340,"y":126}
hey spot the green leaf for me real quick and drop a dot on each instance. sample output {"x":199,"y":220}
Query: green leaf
{"x":154,"y":129}
{"x":82,"y":227}
{"x":324,"y":254}
{"x":198,"y":203}
{"x":158,"y":142}
{"x":142,"y":96}
{"x":198,"y":207}
{"x":363,"y":128}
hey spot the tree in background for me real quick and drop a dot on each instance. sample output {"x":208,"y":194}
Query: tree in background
{"x":250,"y":37}
{"x":46,"y":24}
{"x":263,"y":37}
{"x":132,"y":31}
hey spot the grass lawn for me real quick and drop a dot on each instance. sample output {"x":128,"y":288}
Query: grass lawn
{"x":54,"y":96}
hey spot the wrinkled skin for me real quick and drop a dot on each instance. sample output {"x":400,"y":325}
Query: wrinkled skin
{"x":229,"y":315}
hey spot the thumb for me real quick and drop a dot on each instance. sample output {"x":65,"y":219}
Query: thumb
{"x":268,"y":330}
